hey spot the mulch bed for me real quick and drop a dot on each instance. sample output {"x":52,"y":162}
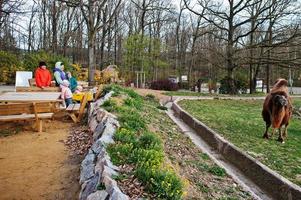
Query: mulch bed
{"x":79,"y":140}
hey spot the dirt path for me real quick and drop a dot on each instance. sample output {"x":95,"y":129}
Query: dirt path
{"x":38,"y":166}
{"x":157,"y":93}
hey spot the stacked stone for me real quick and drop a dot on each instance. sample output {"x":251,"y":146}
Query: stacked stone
{"x":97,"y":169}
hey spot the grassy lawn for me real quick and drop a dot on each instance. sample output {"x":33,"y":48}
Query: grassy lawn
{"x":190,"y":93}
{"x":186,"y":93}
{"x":240,"y":122}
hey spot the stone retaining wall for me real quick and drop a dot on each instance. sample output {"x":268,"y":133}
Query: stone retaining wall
{"x":97,"y":169}
{"x":271,"y":182}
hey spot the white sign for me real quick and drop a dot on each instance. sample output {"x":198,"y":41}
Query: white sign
{"x":184,"y":78}
{"x":259,"y":83}
{"x":22,"y":78}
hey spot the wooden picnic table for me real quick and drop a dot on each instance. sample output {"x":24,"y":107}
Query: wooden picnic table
{"x":19,"y":97}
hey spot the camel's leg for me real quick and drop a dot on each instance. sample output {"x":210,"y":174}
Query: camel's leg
{"x":266,"y":135}
{"x":273,"y":131}
{"x":280,"y":138}
{"x":285,"y":132}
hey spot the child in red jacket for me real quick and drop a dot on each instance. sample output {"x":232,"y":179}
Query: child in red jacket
{"x":42,"y":76}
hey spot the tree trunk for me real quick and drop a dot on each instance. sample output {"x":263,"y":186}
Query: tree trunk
{"x":230,"y":69}
{"x":54,"y":27}
{"x":91,"y":49}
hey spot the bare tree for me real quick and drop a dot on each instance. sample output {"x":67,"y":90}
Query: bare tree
{"x":230,"y":20}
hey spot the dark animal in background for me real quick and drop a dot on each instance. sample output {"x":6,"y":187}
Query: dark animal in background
{"x":277,"y":109}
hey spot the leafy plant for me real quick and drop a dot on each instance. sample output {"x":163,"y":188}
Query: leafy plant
{"x":132,"y":121}
{"x":162,"y":107}
{"x":218,"y":171}
{"x":133,"y":103}
{"x":101,"y":186}
{"x":110,"y":105}
{"x":125,"y":136}
{"x":149,"y":140}
{"x":31,"y":61}
{"x":150,"y":97}
{"x":9,"y":64}
{"x":120,"y":153}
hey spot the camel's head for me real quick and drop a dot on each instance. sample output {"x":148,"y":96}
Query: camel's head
{"x":280,"y":100}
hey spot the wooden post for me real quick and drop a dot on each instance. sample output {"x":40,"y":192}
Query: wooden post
{"x":137,"y":82}
{"x":144,"y":79}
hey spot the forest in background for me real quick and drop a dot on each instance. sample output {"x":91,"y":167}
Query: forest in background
{"x":233,"y":41}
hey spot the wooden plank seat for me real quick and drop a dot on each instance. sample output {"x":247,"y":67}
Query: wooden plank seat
{"x":73,"y":107}
{"x":76,"y":111}
{"x":37,"y":89}
{"x":37,"y":111}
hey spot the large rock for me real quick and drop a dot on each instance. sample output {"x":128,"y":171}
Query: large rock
{"x":107,"y":171}
{"x":109,"y":183}
{"x":98,"y":195}
{"x":90,"y":186}
{"x":116,"y":194}
{"x":93,"y":124}
{"x":109,"y":131}
{"x":101,"y":113}
{"x":87,"y":167}
{"x":99,"y":129}
{"x":109,"y":163}
{"x":100,"y":101}
{"x":91,"y":110}
{"x":99,"y":167}
{"x":97,"y":147}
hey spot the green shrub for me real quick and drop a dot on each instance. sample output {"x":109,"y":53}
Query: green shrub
{"x":218,"y":171}
{"x":136,"y":103}
{"x":132,"y":93}
{"x":120,"y":153}
{"x":149,"y":140}
{"x":162,"y":107}
{"x":117,"y":89}
{"x":148,"y":158}
{"x":31,"y":61}
{"x":165,"y":184}
{"x":125,"y":136}
{"x":9,"y":64}
{"x":132,"y":121}
{"x":150,"y":97}
{"x":110,"y":105}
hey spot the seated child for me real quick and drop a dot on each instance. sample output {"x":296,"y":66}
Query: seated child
{"x":78,"y":90}
{"x":66,"y":93}
{"x":72,"y":81}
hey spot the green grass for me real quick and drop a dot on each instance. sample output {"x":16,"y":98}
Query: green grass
{"x":240,"y":122}
{"x":190,"y":93}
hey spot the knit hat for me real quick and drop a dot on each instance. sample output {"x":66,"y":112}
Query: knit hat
{"x":58,"y":65}
{"x":66,"y":83}
{"x":42,"y":63}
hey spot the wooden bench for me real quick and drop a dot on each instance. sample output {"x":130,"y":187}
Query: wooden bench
{"x":37,"y":111}
{"x":76,"y":111}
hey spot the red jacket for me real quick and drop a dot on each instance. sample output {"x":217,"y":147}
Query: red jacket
{"x":43,"y":77}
